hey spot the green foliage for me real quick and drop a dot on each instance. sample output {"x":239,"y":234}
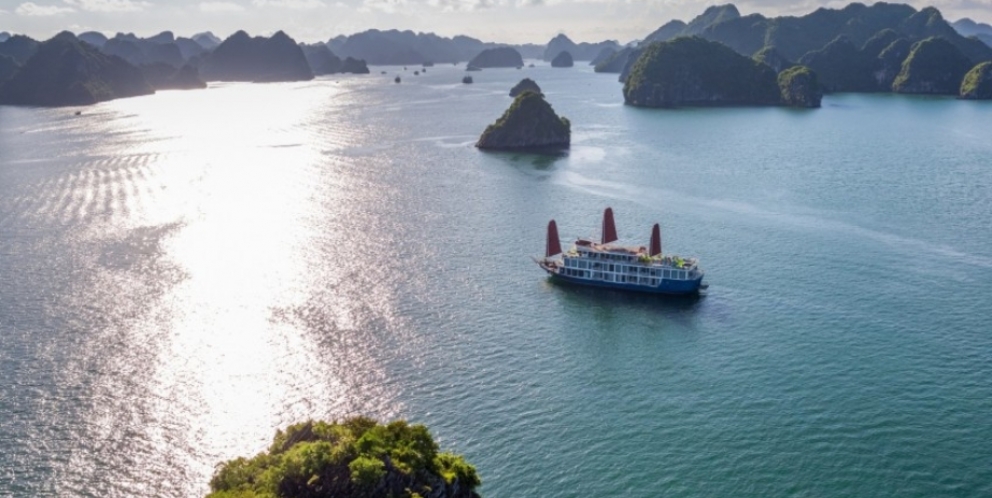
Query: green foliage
{"x":454,"y":468}
{"x":842,"y":67}
{"x":345,"y":459}
{"x":934,"y":66}
{"x":694,"y":71}
{"x":366,"y":471}
{"x":773,"y":58}
{"x":977,"y":84}
{"x":800,"y":87}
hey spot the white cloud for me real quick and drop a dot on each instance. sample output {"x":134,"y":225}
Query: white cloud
{"x":220,"y":7}
{"x":290,"y":4}
{"x":110,"y":5}
{"x":34,"y":10}
{"x":387,"y":6}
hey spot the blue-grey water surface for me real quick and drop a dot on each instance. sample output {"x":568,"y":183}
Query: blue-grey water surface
{"x":182,"y":274}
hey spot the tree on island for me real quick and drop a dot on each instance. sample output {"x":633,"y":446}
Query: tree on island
{"x":357,"y":457}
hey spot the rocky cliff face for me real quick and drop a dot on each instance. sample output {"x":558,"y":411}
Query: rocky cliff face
{"x":525,"y":85}
{"x":977,"y":84}
{"x":497,"y":57}
{"x":530,"y":122}
{"x":564,"y":59}
{"x":934,"y":66}
{"x":799,"y":87}
{"x":691,"y":71}
{"x":243,"y":58}
{"x":66,"y":72}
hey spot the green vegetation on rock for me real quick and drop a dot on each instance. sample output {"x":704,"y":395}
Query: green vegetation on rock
{"x":773,"y":58}
{"x":529,"y":122}
{"x":691,"y":71}
{"x":934,"y":66}
{"x":977,"y":84}
{"x":354,"y":458}
{"x":800,"y":87}
{"x":842,"y":67}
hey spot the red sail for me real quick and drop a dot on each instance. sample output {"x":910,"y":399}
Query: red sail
{"x":554,"y":245}
{"x":609,"y":227}
{"x":655,"y":240}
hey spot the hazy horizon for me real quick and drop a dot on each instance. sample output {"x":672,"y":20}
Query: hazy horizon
{"x":505,"y":21}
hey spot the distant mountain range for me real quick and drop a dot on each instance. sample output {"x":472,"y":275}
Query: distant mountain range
{"x":393,"y":47}
{"x":967,"y":27}
{"x":856,"y":48}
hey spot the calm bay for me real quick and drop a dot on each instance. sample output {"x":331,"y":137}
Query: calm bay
{"x":184,"y":273}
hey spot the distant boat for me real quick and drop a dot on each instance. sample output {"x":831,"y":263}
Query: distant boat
{"x":397,"y":79}
{"x":602,"y":264}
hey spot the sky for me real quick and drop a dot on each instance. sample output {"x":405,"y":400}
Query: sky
{"x":507,"y":21}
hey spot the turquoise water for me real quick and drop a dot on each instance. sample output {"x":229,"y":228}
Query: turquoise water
{"x":182,"y":274}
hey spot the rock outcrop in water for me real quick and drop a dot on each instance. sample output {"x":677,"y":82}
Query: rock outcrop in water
{"x":65,"y":72}
{"x":691,"y":71}
{"x":934,"y":66}
{"x":564,"y":59}
{"x":497,"y":57}
{"x":354,"y":66}
{"x":799,"y":87}
{"x":529,"y":123}
{"x":977,"y":84}
{"x":525,"y":85}
{"x":243,"y":58}
{"x":355,"y":458}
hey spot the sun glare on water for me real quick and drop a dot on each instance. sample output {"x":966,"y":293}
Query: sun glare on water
{"x":232,"y":200}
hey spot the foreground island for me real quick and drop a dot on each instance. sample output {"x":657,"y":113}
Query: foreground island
{"x":357,"y":457}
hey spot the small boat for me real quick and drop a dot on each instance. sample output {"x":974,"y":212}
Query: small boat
{"x":603,"y":264}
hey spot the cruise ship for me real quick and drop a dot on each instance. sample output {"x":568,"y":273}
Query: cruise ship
{"x":603,"y":264}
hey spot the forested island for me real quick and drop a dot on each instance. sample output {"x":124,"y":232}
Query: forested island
{"x":529,"y":123}
{"x":357,"y":457}
{"x":878,"y":48}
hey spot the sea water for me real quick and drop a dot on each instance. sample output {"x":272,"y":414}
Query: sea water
{"x":182,"y":274}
